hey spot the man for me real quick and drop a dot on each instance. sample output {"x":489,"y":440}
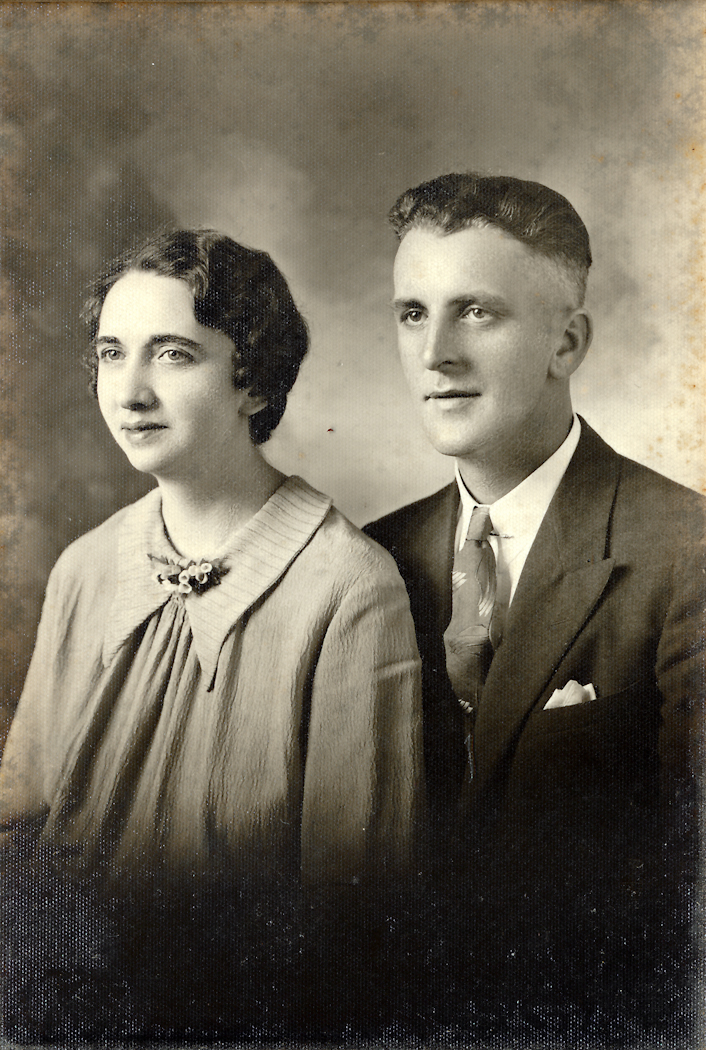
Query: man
{"x":561,"y":741}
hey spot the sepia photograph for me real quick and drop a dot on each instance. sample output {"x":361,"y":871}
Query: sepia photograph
{"x":353,"y":530}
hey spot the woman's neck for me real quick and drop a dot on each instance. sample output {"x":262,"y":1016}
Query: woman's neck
{"x":202,"y":515}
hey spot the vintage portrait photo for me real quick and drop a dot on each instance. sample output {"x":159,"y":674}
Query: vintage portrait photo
{"x":352,"y":416}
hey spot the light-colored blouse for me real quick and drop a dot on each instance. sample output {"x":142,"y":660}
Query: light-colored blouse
{"x":274,"y":718}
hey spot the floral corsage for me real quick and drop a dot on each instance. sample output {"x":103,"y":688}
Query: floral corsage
{"x":186,"y":577}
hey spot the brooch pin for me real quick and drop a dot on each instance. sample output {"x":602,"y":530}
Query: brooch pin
{"x":185,"y":577}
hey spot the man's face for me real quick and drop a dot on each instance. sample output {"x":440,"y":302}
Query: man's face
{"x":165,"y":384}
{"x":480,"y":320}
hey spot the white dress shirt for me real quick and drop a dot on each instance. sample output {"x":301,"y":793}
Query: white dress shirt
{"x":516,"y":518}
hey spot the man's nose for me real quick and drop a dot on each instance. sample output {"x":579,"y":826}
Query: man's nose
{"x":439,"y":349}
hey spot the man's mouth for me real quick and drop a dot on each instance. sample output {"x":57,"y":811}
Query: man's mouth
{"x":451,"y":395}
{"x":137,"y":428}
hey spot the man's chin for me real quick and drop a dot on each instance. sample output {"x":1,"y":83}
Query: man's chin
{"x":453,"y":445}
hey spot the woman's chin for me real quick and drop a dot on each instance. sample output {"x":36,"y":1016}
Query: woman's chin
{"x":146,"y":464}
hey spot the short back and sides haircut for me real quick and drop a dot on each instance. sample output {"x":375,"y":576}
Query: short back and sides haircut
{"x":533,"y":214}
{"x":236,"y":290}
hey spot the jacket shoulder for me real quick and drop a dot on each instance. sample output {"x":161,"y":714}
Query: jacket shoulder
{"x":650,"y":519}
{"x":631,"y":470}
{"x":414,"y":519}
{"x":660,"y":503}
{"x":594,"y":454}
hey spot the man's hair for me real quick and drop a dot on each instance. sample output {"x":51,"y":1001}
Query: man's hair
{"x":236,"y":290}
{"x":533,"y":214}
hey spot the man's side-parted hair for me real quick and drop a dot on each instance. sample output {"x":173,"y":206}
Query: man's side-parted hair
{"x":532,"y":213}
{"x":236,"y":290}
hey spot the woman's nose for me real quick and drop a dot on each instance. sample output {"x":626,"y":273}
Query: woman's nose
{"x":137,"y":390}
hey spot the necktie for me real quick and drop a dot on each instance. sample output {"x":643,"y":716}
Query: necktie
{"x":467,"y":638}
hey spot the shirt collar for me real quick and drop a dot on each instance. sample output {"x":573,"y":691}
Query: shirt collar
{"x":520,"y":511}
{"x":261,"y":552}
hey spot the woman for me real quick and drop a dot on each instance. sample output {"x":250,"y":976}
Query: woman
{"x":222,"y":704}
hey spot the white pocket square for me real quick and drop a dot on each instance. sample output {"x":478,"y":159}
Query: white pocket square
{"x":570,"y":695}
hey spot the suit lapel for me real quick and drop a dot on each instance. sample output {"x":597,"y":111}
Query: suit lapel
{"x":564,"y":576}
{"x":439,"y":552}
{"x":424,"y":549}
{"x":429,"y":561}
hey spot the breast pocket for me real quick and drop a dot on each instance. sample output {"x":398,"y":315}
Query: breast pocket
{"x":602,"y":749}
{"x":632,"y":703}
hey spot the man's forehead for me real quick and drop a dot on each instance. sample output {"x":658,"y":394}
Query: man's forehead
{"x":427,"y":253}
{"x":431,"y":262}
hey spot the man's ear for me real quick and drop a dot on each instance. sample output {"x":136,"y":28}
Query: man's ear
{"x":252,"y":404}
{"x":575,"y":341}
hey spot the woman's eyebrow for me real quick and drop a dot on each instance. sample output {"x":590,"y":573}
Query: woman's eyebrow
{"x":154,"y":341}
{"x":182,"y":340}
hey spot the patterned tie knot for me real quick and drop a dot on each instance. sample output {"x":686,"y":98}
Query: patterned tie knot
{"x":480,"y":526}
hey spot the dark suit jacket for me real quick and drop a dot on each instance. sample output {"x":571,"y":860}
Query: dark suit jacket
{"x":577,"y":847}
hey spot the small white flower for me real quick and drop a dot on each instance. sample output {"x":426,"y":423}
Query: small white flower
{"x":184,"y":576}
{"x":200,"y":572}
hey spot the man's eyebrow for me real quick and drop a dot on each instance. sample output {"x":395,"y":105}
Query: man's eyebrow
{"x":492,"y":302}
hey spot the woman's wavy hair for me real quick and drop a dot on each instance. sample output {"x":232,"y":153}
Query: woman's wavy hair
{"x":236,"y":290}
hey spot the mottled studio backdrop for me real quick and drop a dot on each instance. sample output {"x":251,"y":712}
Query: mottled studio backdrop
{"x":293,"y":128}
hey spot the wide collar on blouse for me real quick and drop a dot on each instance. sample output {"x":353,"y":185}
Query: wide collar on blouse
{"x":262,"y":551}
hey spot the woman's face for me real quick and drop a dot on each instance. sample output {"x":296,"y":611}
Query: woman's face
{"x":165,"y":382}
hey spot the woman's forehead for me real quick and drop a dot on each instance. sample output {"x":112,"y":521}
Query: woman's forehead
{"x":146,"y":302}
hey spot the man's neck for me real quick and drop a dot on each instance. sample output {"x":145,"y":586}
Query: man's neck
{"x":490,"y":477}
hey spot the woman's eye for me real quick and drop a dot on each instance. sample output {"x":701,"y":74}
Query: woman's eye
{"x":173,"y":354}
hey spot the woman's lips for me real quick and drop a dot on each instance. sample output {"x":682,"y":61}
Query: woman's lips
{"x":138,"y":432}
{"x":143,"y":426}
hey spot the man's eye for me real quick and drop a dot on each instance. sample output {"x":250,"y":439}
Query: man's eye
{"x":477,"y":312}
{"x":412,"y":317}
{"x":109,"y":353}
